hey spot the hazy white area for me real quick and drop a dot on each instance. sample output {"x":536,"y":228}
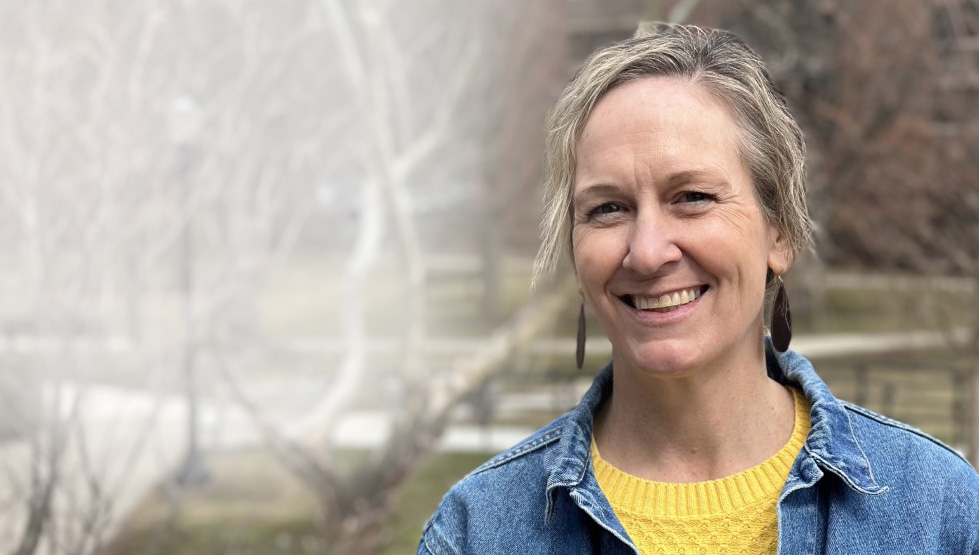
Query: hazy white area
{"x":226,"y":205}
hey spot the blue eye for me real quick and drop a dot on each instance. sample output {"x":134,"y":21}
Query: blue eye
{"x":607,"y":208}
{"x":695,"y":196}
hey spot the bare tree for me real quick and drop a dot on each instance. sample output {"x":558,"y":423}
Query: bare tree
{"x":162,"y":161}
{"x":436,"y":85}
{"x":136,"y":149}
{"x":62,"y":189}
{"x":886,"y":92}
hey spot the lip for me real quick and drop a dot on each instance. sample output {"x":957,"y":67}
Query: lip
{"x":652,"y":317}
{"x":701,"y":286}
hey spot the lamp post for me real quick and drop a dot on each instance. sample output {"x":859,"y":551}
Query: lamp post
{"x":184,"y":126}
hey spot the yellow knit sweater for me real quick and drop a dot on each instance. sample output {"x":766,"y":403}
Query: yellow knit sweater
{"x":733,"y":515}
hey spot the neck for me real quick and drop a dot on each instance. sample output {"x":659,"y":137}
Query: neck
{"x":704,"y":425}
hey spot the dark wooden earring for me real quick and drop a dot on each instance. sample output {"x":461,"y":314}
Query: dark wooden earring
{"x":580,"y":350}
{"x":781,"y":319}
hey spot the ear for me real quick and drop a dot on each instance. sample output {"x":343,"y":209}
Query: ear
{"x":780,"y":255}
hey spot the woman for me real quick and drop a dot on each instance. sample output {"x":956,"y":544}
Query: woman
{"x":676,"y":183}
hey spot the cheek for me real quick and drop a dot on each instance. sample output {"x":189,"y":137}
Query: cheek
{"x":597,"y":255}
{"x":737,"y":240}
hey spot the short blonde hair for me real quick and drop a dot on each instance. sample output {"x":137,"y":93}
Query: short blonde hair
{"x":772,"y":146}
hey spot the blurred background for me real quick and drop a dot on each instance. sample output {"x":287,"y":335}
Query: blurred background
{"x":266,"y":265}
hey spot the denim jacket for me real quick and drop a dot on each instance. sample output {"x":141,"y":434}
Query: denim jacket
{"x":862,"y":483}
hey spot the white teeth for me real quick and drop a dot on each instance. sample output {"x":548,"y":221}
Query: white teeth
{"x":666,"y":301}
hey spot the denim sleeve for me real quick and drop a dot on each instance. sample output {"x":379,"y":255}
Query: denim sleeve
{"x":972,"y":520}
{"x":432,"y":542}
{"x":445,"y":532}
{"x":961,"y":508}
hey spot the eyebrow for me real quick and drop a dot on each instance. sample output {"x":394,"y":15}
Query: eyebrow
{"x":693,"y":175}
{"x":672,"y":180}
{"x":596,"y":189}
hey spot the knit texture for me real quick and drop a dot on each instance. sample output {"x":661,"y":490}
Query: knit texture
{"x":734,"y":515}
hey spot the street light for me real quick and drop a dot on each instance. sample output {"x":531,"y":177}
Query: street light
{"x":184,"y":126}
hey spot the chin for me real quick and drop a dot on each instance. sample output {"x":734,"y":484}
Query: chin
{"x":665,"y":358}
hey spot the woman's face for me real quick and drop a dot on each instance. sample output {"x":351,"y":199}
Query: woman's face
{"x":670,"y":244}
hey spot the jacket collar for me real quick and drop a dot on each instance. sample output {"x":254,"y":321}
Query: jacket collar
{"x":831,"y":444}
{"x":569,"y":462}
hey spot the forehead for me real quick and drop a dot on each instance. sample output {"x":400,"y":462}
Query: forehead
{"x":659,"y":124}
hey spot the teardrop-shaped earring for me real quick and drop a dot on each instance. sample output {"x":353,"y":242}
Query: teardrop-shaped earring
{"x":580,"y":348}
{"x":781,"y":319}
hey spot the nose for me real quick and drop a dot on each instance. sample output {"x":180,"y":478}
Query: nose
{"x":652,"y":243}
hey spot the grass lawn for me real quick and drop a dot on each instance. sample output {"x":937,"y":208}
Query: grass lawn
{"x":254,"y":506}
{"x":420,"y":495}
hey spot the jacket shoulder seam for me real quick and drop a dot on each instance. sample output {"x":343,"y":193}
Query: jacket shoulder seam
{"x":533,"y":443}
{"x":896,"y":424}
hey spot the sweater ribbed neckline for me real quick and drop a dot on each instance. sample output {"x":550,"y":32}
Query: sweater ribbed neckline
{"x":759,"y":483}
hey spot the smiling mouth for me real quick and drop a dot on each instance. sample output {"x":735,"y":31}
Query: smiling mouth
{"x":666,"y":302}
